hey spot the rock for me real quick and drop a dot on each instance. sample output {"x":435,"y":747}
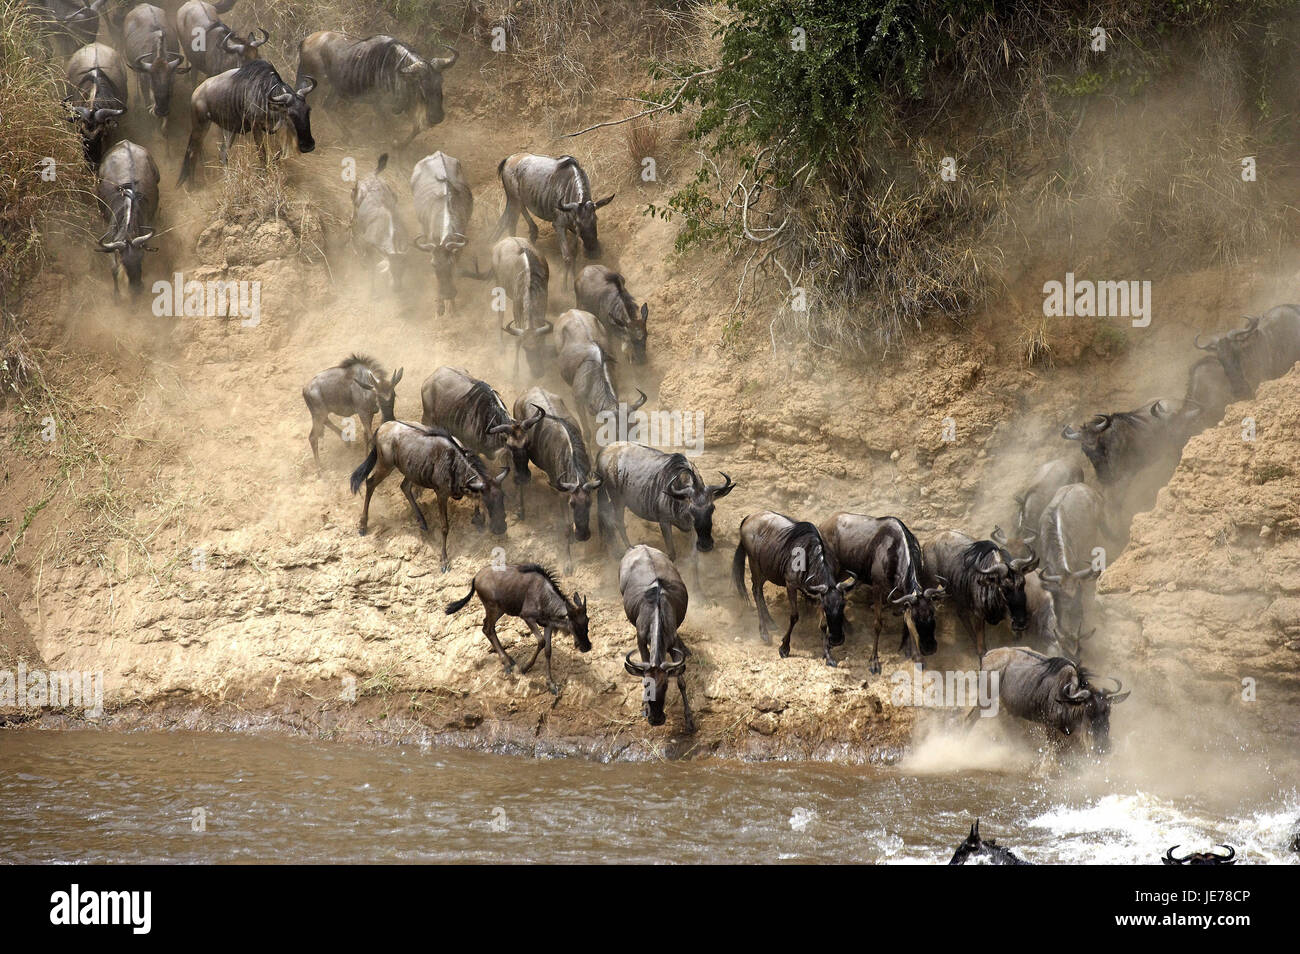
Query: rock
{"x":770,"y":704}
{"x":765,"y":723}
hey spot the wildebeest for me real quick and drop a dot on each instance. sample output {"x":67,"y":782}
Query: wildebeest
{"x":69,"y":24}
{"x":983,"y":582}
{"x":556,"y":191}
{"x":98,"y":76}
{"x":1201,"y":857}
{"x":444,"y":204}
{"x":521,"y":270}
{"x":1071,"y":526}
{"x":655,"y":601}
{"x":355,"y":386}
{"x":792,"y":554}
{"x":530,"y":592}
{"x":975,"y":850}
{"x":555,"y":445}
{"x":886,"y":559}
{"x":1044,"y":630}
{"x":356,"y":66}
{"x":1208,"y":389}
{"x":663,"y":488}
{"x":476,"y":416}
{"x":429,"y":457}
{"x":128,"y":198}
{"x":586,"y":367}
{"x":603,"y":292}
{"x":251,"y":99}
{"x":1047,"y":480}
{"x":1265,"y":348}
{"x":376,"y":227}
{"x":153,"y":51}
{"x":1053,"y":692}
{"x":1123,"y":443}
{"x":211,"y":45}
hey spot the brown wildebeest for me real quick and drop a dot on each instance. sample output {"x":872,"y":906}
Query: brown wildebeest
{"x":530,"y":592}
{"x":792,"y":554}
{"x":655,"y":601}
{"x":429,"y":457}
{"x":356,"y":386}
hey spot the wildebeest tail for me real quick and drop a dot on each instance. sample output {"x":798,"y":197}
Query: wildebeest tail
{"x":460,"y":604}
{"x":381,"y":164}
{"x":738,"y":571}
{"x":362,"y":472}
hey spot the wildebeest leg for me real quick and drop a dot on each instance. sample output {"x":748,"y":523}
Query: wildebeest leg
{"x":490,"y":631}
{"x":410,"y":496}
{"x":765,"y":621}
{"x":568,"y":543}
{"x":875,"y":649}
{"x":227,"y":139}
{"x":382,"y":470}
{"x":318,"y":424}
{"x":532,"y":226}
{"x":550,"y":682}
{"x":686,"y":705}
{"x":442,"y":513}
{"x":666,"y":529}
{"x":791,"y":594}
{"x":620,"y":524}
{"x":367,"y":428}
{"x":198,"y":128}
{"x":537,"y":634}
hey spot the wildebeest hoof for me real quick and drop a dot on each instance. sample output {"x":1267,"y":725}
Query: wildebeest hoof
{"x":784,"y":653}
{"x":555,"y":689}
{"x":875,"y":667}
{"x":446,"y":567}
{"x":831,"y":662}
{"x":361,"y":531}
{"x":690,"y":726}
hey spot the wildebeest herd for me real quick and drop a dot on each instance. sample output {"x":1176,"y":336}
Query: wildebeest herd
{"x":469,"y":441}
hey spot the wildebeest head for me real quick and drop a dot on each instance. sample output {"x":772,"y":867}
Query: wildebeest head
{"x":654,"y":682}
{"x":532,"y":339}
{"x":425,"y":78}
{"x":918,"y":616}
{"x":286,"y":102}
{"x":248,"y":48}
{"x":494,"y":499}
{"x":699,"y":498}
{"x":637,"y":332}
{"x":129,"y":250}
{"x":1201,"y":857}
{"x":516,"y":442}
{"x":1120,"y":443}
{"x":161,"y":68}
{"x":579,"y":494}
{"x":1090,"y":703}
{"x":581,"y":218}
{"x":385,"y":392}
{"x":975,"y":850}
{"x":94,"y":123}
{"x":1067,"y":591}
{"x":831,"y":597}
{"x":578,"y":621}
{"x":1000,"y":581}
{"x":442,"y":256}
{"x":1228,"y":347}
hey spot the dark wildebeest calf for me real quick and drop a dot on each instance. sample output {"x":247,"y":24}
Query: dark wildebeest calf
{"x":655,"y":601}
{"x":531,"y":593}
{"x":376,"y":228}
{"x":886,"y":559}
{"x":357,"y":386}
{"x":444,"y":204}
{"x":98,"y":75}
{"x":791,"y":554}
{"x":1055,"y":693}
{"x":555,"y":445}
{"x":251,"y":99}
{"x":603,"y":292}
{"x":1266,"y":348}
{"x":429,"y":457}
{"x":128,"y":198}
{"x":357,"y":66}
{"x":556,"y":191}
{"x":153,"y":51}
{"x":984,"y":584}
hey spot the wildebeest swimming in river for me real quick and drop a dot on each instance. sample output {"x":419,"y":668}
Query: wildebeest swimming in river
{"x":792,"y":554}
{"x":886,"y":559}
{"x":983,"y":582}
{"x":1053,"y":692}
{"x":655,"y":601}
{"x":530,"y":592}
{"x":975,"y":850}
{"x":1201,"y":857}
{"x":429,"y":457}
{"x":355,"y":386}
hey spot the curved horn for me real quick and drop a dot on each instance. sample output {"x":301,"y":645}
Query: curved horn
{"x":308,"y":84}
{"x":423,"y":244}
{"x":441,"y":63}
{"x":998,"y":537}
{"x":1206,"y":347}
{"x":846,"y":585}
{"x":636,"y":668}
{"x":568,"y":486}
{"x":676,"y":664}
{"x":566,"y":206}
{"x":536,"y":418}
{"x":543,"y":329}
{"x":1071,"y":433}
{"x":1240,"y":334}
{"x":593,"y":483}
{"x":510,"y":329}
{"x":638,"y":404}
{"x":232,"y":45}
{"x":1232,"y":853}
{"x":1025,"y":564}
{"x":934,"y":593}
{"x":721,"y":490}
{"x":1079,"y":695}
{"x":255,"y":43}
{"x":1171,"y":860}
{"x":141,"y":239}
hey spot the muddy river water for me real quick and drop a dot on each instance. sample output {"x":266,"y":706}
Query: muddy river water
{"x":84,"y":796}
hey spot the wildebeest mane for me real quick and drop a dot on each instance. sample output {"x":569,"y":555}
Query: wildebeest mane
{"x":581,"y":460}
{"x":253,"y":85}
{"x":972,"y":559}
{"x":541,"y":571}
{"x":358,"y":360}
{"x":374,"y":60}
